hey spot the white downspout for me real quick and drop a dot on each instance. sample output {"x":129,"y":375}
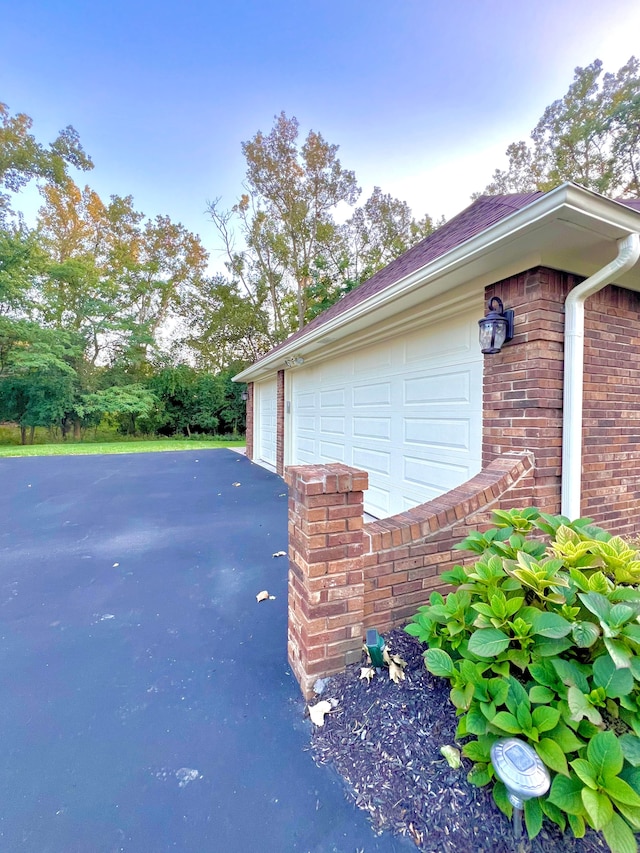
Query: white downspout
{"x":628,"y":253}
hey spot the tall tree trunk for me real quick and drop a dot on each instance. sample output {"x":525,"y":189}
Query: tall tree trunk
{"x":23,"y":434}
{"x":77,"y":430}
{"x":32,"y":432}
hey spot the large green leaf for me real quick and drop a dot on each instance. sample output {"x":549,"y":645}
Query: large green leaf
{"x":516,"y":696}
{"x":488,"y":642}
{"x":548,"y":647}
{"x":631,"y":813}
{"x":477,"y":751}
{"x":566,"y":794}
{"x":550,"y":625}
{"x":598,"y":807}
{"x":461,"y":697}
{"x":552,"y":755}
{"x":621,"y":792}
{"x":545,"y":718}
{"x":585,"y":634}
{"x":565,"y":738}
{"x":502,"y":799}
{"x":618,"y":836}
{"x":605,"y":755}
{"x":620,"y":653}
{"x":539,"y":695}
{"x":571,"y":674}
{"x":597,"y":604}
{"x":533,"y":817}
{"x":630,"y":748}
{"x":616,"y":682}
{"x":506,"y":722}
{"x":580,"y":707}
{"x":438,"y":662}
{"x":554,"y":813}
{"x":585,"y":772}
{"x":577,"y":824}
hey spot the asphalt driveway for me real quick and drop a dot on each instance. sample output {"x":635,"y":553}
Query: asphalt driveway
{"x":146,"y":704}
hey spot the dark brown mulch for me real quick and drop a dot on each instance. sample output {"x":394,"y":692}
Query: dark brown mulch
{"x":385,"y":738}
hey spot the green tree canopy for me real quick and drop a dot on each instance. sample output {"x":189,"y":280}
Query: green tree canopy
{"x":591,"y":136}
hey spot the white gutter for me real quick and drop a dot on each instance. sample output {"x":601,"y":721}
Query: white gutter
{"x":628,"y":254}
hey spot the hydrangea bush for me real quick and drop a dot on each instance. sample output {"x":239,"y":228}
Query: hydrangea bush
{"x":541,"y":640}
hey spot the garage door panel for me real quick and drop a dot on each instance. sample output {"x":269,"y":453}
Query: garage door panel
{"x":442,"y":388}
{"x":332,"y":399}
{"x":332,"y":424}
{"x":372,"y":460}
{"x":332,"y":452}
{"x":378,"y":501}
{"x":432,"y":474}
{"x":371,"y":360}
{"x":372,"y":427}
{"x":441,"y":434}
{"x":446,"y":341}
{"x":372,"y":395}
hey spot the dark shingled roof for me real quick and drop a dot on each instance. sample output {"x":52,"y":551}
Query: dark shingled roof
{"x":484,"y":212}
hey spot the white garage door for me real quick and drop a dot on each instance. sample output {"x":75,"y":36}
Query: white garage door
{"x":266,"y":421}
{"x":409,"y":411}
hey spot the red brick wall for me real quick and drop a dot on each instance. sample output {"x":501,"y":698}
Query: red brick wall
{"x":523,"y":388}
{"x":408,"y":552}
{"x":345,"y":577}
{"x":523,"y":383}
{"x":250,"y":412}
{"x":280,"y":422}
{"x":611,"y":417}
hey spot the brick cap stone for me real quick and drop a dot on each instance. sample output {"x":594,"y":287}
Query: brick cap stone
{"x":333,"y":478}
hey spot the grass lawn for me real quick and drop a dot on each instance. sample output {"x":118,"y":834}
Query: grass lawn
{"x":71,"y":448}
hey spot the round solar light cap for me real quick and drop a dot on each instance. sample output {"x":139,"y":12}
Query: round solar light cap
{"x":520,"y":768}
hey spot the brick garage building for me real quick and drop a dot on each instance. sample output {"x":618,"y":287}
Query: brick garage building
{"x":385,"y":405}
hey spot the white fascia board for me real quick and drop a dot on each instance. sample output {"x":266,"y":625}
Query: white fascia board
{"x":567,"y":197}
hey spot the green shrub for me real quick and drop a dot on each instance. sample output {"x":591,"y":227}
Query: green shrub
{"x":541,"y":640}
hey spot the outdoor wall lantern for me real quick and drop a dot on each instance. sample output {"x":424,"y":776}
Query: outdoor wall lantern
{"x":524,"y":775}
{"x":496,"y":328}
{"x":244,"y":396}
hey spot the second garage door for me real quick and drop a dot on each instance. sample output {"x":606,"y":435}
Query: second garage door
{"x":408,"y":411}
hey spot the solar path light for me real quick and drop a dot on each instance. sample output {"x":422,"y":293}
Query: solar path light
{"x":524,"y":775}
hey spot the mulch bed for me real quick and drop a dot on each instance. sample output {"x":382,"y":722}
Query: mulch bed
{"x":384,"y":739}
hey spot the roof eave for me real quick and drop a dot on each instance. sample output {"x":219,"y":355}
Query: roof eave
{"x":567,"y":196}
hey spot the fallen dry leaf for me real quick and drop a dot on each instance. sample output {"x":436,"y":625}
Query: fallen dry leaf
{"x":416,"y":835}
{"x":367,"y":672}
{"x":318,"y":712}
{"x":396,"y":673}
{"x":235,"y":484}
{"x":262,"y":596}
{"x":280,"y":554}
{"x":452,"y":755}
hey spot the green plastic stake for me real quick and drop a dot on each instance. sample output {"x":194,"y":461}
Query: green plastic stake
{"x":375,"y":646}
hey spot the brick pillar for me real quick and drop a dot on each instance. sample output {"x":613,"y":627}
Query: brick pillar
{"x":523,"y":383}
{"x":249,"y":427}
{"x":326,"y":584}
{"x":280,"y":423}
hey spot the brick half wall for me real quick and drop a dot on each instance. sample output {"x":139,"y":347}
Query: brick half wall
{"x":346,"y":576}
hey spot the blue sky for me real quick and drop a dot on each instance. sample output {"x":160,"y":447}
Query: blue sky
{"x":423,"y":96}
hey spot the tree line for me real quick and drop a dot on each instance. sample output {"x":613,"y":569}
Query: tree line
{"x":110,"y":316}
